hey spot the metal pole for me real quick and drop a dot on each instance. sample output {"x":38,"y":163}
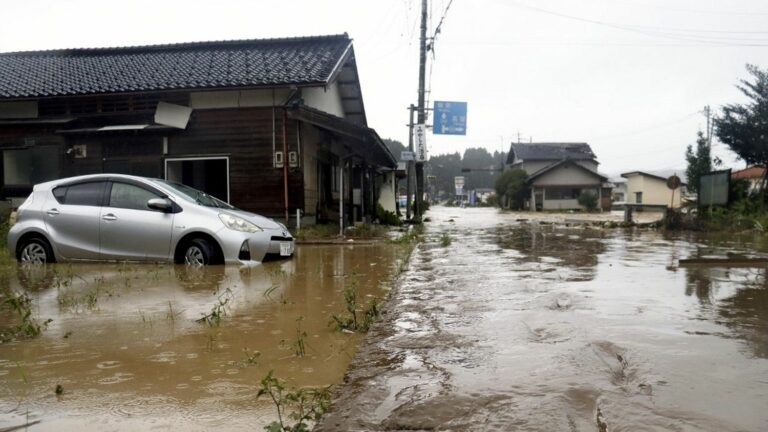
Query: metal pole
{"x":421,"y":118}
{"x":341,"y":199}
{"x":409,"y":165}
{"x":285,"y":164}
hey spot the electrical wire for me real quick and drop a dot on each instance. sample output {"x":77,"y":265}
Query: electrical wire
{"x":647,"y":31}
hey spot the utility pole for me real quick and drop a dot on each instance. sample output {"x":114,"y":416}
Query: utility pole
{"x":708,"y":113}
{"x":421,"y":113}
{"x":409,"y":165}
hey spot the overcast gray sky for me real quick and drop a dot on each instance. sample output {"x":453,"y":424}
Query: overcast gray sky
{"x":630,"y":77}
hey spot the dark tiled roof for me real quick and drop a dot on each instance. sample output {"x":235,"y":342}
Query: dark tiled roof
{"x":550,"y":151}
{"x":198,"y":65}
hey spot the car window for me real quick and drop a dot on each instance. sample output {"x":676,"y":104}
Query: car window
{"x":86,"y":194}
{"x":59,"y":193}
{"x":128,"y":196}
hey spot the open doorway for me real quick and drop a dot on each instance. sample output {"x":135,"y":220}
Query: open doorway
{"x":208,"y":174}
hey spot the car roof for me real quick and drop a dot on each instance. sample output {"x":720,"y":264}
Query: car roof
{"x":95,"y":177}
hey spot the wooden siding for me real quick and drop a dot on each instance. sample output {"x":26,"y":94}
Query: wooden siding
{"x":245,"y":135}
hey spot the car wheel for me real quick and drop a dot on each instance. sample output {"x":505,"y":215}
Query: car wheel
{"x":198,"y":252}
{"x":35,"y":250}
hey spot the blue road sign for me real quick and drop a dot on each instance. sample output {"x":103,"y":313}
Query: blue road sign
{"x":450,"y":118}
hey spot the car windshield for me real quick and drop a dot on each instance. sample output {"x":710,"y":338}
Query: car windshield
{"x":196,"y":196}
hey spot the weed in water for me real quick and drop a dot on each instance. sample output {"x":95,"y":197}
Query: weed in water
{"x":445,"y":240}
{"x":300,"y":345}
{"x":29,"y":327}
{"x":213,"y":318}
{"x":296,"y":410}
{"x":171,"y":314}
{"x":350,"y":321}
{"x":250,"y":357}
{"x":268,"y":292}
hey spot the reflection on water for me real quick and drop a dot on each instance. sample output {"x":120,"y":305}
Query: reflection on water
{"x":125,"y":346}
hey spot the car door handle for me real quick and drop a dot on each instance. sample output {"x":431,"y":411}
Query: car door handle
{"x":109,"y":217}
{"x":53,"y":212}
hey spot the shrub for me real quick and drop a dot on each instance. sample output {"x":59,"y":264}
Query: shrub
{"x":588,"y":200}
{"x":387,"y":217}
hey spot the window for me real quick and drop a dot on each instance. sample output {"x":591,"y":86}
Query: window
{"x":128,"y":196}
{"x":561,"y":193}
{"x":638,"y":197}
{"x":29,"y":166}
{"x":86,"y":194}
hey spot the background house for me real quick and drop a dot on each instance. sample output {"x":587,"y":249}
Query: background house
{"x":271,"y":126}
{"x":650,"y":187}
{"x":558,"y":173}
{"x":753,"y":175}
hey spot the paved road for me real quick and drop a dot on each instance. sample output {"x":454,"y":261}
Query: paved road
{"x":522,"y":326}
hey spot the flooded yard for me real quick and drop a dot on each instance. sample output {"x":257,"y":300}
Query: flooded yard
{"x":509,"y":324}
{"x":138,"y":347}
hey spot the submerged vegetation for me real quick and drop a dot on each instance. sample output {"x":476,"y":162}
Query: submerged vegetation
{"x":28,"y":326}
{"x":296,"y":410}
{"x":356,"y":318}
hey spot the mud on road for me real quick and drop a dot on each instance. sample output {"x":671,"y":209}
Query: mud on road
{"x":515,"y":325}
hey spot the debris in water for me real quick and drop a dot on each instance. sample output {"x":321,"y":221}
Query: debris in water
{"x":59,"y":389}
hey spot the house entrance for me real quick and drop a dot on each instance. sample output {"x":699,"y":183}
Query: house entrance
{"x":210,"y":175}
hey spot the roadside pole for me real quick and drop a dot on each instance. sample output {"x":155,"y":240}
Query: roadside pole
{"x":409,"y":164}
{"x":421,"y":117}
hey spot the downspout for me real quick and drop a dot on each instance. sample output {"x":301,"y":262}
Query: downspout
{"x":285,"y":163}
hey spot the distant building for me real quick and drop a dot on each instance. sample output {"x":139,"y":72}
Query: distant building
{"x":558,"y":173}
{"x":754,"y":175}
{"x":650,"y":187}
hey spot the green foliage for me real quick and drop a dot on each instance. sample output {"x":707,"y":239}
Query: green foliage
{"x":28,"y":327}
{"x":315,"y":232}
{"x":350,"y":321}
{"x":699,"y":162}
{"x":301,"y":407}
{"x":744,"y":127}
{"x":445,"y":240}
{"x":511,"y":187}
{"x":492,"y":201}
{"x":219,"y":310}
{"x":300,"y":344}
{"x":588,"y":200}
{"x":745,"y":213}
{"x":387,"y":217}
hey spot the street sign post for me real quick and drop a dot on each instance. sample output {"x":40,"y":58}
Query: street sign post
{"x":450,"y":118}
{"x":406,"y":155}
{"x":420,"y":142}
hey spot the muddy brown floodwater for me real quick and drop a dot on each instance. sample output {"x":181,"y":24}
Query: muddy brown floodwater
{"x":521,"y":326}
{"x":126,"y":349}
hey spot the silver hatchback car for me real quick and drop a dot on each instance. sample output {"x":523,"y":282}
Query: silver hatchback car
{"x":120,"y":217}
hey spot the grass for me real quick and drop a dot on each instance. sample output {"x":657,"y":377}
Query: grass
{"x":445,"y":240}
{"x":218,"y":311}
{"x":361,"y":231}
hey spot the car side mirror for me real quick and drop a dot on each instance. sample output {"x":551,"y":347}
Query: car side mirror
{"x":162,"y":204}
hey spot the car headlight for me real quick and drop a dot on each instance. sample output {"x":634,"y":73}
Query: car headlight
{"x":238,"y":223}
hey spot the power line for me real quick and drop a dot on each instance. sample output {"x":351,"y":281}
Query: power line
{"x":637,"y":29}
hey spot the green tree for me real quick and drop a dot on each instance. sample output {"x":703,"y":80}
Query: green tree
{"x":744,"y":127}
{"x":511,"y":188}
{"x":699,"y":162}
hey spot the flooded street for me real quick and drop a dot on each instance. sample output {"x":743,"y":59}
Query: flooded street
{"x":519,"y":325}
{"x":125,"y":347}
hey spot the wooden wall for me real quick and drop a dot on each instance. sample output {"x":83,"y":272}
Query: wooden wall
{"x":245,"y":135}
